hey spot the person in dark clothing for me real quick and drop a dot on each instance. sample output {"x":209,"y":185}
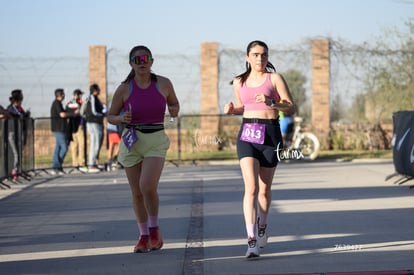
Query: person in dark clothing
{"x":16,"y":141}
{"x":59,"y":127}
{"x":95,"y":112}
{"x":76,"y":130}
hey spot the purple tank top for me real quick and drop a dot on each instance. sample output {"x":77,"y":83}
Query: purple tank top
{"x":148,"y":105}
{"x":248,"y":99}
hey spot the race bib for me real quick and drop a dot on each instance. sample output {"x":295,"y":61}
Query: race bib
{"x":253,"y":132}
{"x":130,"y":138}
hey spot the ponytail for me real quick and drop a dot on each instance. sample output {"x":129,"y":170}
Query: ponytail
{"x":243,"y":76}
{"x":130,"y":76}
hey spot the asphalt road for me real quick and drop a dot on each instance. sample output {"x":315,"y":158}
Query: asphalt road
{"x":325,"y":217}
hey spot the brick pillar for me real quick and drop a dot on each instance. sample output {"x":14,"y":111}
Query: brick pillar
{"x":97,"y":70}
{"x":209,"y":74}
{"x":320,"y":88}
{"x":97,"y":74}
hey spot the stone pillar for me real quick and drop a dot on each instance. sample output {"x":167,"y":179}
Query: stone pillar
{"x":97,"y":70}
{"x":320,"y":87}
{"x":209,"y":74}
{"x":97,"y":74}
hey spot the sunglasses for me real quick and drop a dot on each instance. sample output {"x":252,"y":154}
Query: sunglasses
{"x":141,"y":59}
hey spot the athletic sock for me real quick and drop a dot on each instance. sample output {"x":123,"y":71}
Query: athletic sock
{"x":153,"y":221}
{"x":262,"y":219}
{"x":251,"y":230}
{"x":143,"y":228}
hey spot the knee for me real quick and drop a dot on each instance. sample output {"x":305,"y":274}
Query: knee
{"x":251,"y":191}
{"x":265,"y":192}
{"x":137,"y":196}
{"x":148,"y":190}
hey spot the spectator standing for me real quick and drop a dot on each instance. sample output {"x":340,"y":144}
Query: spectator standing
{"x":16,"y":141}
{"x":95,"y":112}
{"x":59,"y":127}
{"x":286,"y":122}
{"x":76,"y":128}
{"x":114,"y":140}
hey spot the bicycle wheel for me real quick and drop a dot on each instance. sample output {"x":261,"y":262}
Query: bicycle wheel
{"x":309,"y":145}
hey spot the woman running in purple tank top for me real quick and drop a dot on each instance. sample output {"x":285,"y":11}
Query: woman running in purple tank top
{"x":140,"y":104}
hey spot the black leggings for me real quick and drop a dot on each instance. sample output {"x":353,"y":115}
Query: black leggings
{"x":265,"y":153}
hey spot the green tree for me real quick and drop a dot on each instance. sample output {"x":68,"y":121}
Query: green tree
{"x":296,"y":82}
{"x":337,"y":108}
{"x":358,"y":108}
{"x":390,"y":81}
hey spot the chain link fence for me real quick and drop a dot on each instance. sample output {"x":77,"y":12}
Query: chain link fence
{"x":38,"y":77}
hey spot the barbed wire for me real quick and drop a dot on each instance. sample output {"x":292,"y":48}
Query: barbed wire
{"x":38,"y":77}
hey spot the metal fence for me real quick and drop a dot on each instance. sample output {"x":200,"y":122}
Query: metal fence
{"x":28,"y":144}
{"x":192,"y":138}
{"x":38,"y":77}
{"x":17,"y":143}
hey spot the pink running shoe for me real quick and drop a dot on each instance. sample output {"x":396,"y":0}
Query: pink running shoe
{"x":143,"y":244}
{"x":155,"y":238}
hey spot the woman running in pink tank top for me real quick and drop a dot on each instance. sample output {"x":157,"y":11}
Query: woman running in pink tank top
{"x":260,"y":94}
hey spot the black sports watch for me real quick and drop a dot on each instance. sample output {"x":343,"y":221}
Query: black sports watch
{"x":272,"y":103}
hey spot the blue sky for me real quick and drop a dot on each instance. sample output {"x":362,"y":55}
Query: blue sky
{"x":66,"y":28}
{"x":58,"y":32}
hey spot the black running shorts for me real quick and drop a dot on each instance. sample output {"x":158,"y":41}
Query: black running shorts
{"x":265,"y":153}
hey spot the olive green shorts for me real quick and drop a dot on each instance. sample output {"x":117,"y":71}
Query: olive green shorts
{"x":153,"y":144}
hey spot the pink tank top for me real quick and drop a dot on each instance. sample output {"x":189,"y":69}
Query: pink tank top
{"x":148,"y":105}
{"x":248,"y":99}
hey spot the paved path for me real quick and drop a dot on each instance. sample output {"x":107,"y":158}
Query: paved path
{"x":325,"y":217}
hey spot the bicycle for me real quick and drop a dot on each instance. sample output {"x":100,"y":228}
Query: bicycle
{"x":306,"y":143}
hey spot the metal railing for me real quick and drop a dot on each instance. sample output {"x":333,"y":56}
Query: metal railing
{"x":192,"y":137}
{"x":17,"y":144}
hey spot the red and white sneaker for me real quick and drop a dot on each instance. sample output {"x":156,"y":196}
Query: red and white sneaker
{"x":15,"y":175}
{"x":155,"y":238}
{"x":143,"y":244}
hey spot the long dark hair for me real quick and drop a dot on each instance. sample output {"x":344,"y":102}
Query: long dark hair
{"x":269,"y":66}
{"x":16,"y":95}
{"x":131,"y":74}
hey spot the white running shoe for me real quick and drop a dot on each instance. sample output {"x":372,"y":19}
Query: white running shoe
{"x":93,"y":169}
{"x":252,"y":249}
{"x":261,"y":236}
{"x":83,"y":169}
